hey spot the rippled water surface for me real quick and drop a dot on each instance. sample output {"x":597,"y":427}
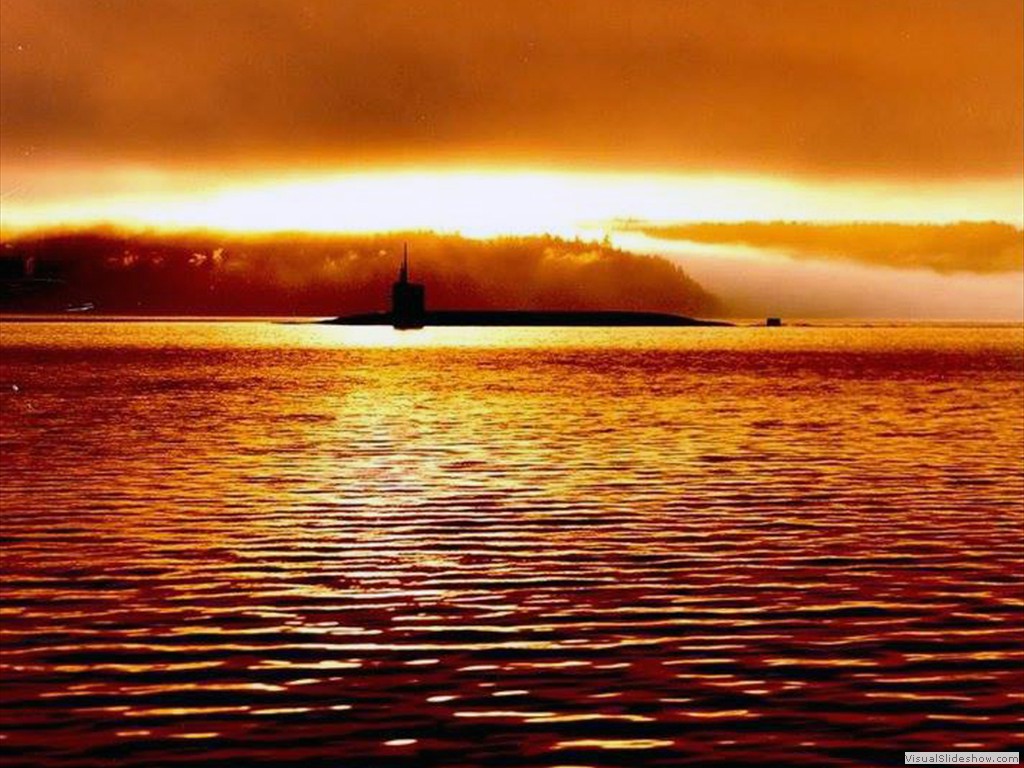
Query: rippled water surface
{"x":259,"y":544}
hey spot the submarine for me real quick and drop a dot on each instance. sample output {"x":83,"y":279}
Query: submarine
{"x":409,"y":311}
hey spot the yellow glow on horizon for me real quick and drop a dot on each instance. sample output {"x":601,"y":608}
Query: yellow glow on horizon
{"x":477,"y":203}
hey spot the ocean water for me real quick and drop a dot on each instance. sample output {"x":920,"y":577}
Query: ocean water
{"x":264,"y":544}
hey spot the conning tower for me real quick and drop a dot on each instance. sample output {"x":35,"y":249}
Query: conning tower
{"x":408,"y":300}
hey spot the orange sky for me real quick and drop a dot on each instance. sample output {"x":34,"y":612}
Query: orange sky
{"x":873,"y":88}
{"x":803,"y":91}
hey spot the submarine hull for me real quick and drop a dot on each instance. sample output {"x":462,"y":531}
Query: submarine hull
{"x":512,"y":318}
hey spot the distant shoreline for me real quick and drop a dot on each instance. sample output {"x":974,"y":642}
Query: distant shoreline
{"x":98,"y":318}
{"x":735,"y":322}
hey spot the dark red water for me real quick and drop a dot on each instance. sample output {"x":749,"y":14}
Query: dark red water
{"x":251,"y":544}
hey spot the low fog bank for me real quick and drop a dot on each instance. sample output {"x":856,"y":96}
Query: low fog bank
{"x":982,"y":247}
{"x":760,"y":282}
{"x":299,"y":275}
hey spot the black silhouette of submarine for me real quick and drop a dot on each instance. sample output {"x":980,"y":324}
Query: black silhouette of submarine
{"x":409,"y":311}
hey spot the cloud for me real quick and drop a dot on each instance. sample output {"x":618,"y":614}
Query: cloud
{"x":979,"y":247}
{"x":863,"y":87}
